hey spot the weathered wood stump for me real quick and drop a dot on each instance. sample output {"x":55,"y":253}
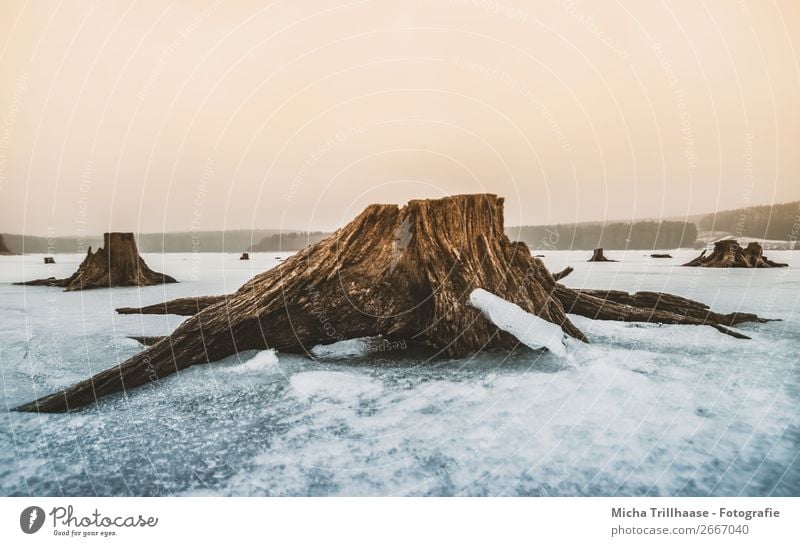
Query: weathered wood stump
{"x":597,"y":256}
{"x":117,"y":263}
{"x":405,"y":274}
{"x":729,"y":253}
{"x":660,"y":256}
{"x":49,"y":260}
{"x":245,"y":256}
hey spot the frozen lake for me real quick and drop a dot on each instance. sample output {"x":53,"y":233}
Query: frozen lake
{"x":642,"y":410}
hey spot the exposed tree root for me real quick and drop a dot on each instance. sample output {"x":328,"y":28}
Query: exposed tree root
{"x":181,"y":306}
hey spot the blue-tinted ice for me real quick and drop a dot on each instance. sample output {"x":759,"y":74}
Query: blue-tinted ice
{"x":643,"y":410}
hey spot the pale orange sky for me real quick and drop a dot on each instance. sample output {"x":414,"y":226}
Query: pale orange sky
{"x":152,"y":115}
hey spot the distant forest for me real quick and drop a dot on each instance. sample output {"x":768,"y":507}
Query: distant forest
{"x":288,"y":241}
{"x":779,"y":222}
{"x":617,"y":236}
{"x":182,"y":241}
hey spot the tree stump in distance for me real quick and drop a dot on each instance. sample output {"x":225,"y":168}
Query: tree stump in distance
{"x":117,"y":263}
{"x":405,"y":274}
{"x":598,"y":256}
{"x":729,"y":253}
{"x":245,"y":256}
{"x":49,"y":260}
{"x":660,"y":256}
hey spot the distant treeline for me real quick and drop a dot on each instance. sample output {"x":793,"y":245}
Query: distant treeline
{"x":289,"y":241}
{"x":30,"y":244}
{"x":616,"y":236}
{"x":202,"y":241}
{"x":779,"y":222}
{"x":184,"y":241}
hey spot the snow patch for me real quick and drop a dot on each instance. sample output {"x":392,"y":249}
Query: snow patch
{"x":264,"y":360}
{"x":533,"y":331}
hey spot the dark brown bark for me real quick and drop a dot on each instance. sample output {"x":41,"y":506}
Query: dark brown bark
{"x":729,"y":253}
{"x":597,"y":256}
{"x":117,"y":263}
{"x":649,"y":307}
{"x":401,"y":273}
{"x":563,"y":273}
{"x":181,"y":306}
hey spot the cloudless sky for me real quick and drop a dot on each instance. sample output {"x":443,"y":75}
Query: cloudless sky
{"x":149,"y":115}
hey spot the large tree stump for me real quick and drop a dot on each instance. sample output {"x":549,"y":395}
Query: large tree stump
{"x":729,"y":253}
{"x":597,"y":256}
{"x":402,"y":273}
{"x":117,"y":263}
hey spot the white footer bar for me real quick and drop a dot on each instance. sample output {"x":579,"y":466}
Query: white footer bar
{"x":388,"y":521}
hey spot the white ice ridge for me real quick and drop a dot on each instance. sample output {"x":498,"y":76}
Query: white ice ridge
{"x":533,"y":331}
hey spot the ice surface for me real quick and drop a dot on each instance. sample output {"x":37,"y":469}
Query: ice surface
{"x":642,"y":409}
{"x":336,"y":386}
{"x":531,"y":330}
